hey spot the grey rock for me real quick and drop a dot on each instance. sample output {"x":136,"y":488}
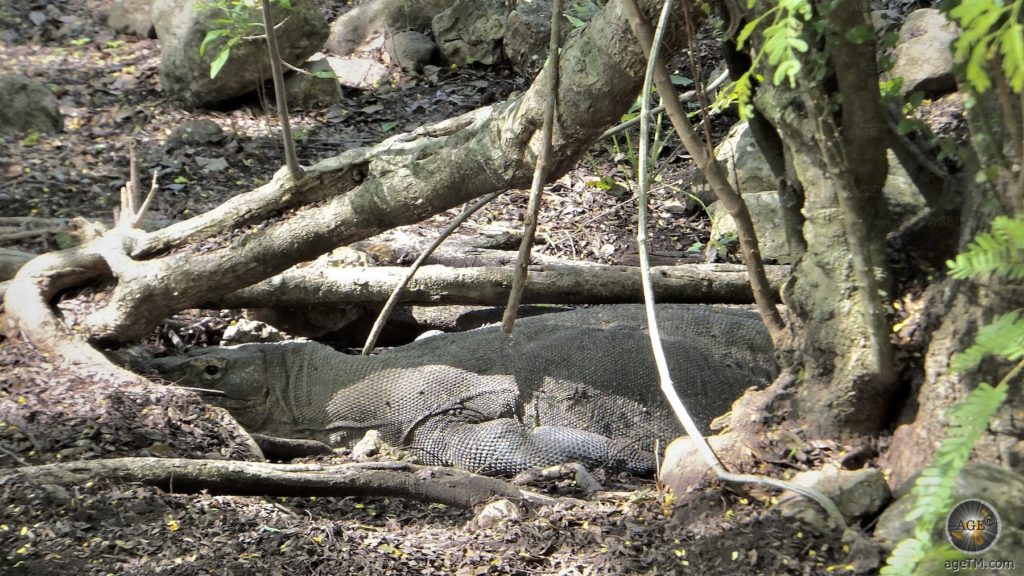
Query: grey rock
{"x":527,"y":35}
{"x":684,"y":467}
{"x":183,"y":24}
{"x":379,"y":17}
{"x":360,"y":73}
{"x":413,"y":50}
{"x":496,"y":513}
{"x":766,"y":214}
{"x":369,"y":446}
{"x":132,"y":17}
{"x":923,"y":56}
{"x":471,"y":31}
{"x":29,"y":106}
{"x":745,"y":164}
{"x":200,"y":132}
{"x":857,"y":493}
{"x":307,"y":91}
{"x":1000,"y":487}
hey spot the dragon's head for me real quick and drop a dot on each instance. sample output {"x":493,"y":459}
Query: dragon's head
{"x":234,"y":378}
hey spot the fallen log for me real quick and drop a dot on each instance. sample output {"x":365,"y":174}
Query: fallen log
{"x":549,"y":284}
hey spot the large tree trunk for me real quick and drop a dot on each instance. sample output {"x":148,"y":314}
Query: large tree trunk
{"x":839,"y":285}
{"x":346,"y":198}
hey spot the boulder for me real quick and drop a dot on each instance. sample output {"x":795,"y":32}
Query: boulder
{"x":471,"y":32}
{"x":309,"y":91}
{"x":132,"y":17}
{"x":1000,"y":487}
{"x":744,"y":164}
{"x":923,"y":56}
{"x":767,"y":216}
{"x":413,"y":50}
{"x":378,"y":17}
{"x":527,"y":35}
{"x":29,"y":106}
{"x":183,"y":24}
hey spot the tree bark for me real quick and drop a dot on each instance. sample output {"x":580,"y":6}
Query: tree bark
{"x":840,"y":284}
{"x":557,"y":284}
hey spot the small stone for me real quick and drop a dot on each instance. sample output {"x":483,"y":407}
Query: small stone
{"x":367,"y":447}
{"x":246,"y":331}
{"x":196,"y":133}
{"x":495,"y":513}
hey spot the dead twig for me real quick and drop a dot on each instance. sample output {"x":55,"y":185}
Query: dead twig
{"x":393,"y":300}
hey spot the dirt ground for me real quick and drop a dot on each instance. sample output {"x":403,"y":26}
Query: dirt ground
{"x":108,"y":86}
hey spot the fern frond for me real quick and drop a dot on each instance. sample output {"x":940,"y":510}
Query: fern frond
{"x":1004,"y":337}
{"x":1000,"y":251}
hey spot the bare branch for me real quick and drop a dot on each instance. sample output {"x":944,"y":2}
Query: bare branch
{"x":389,"y":306}
{"x":540,"y":174}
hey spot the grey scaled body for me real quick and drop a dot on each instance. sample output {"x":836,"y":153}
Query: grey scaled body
{"x":570,"y":386}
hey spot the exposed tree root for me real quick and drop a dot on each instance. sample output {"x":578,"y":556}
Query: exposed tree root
{"x":392,"y":479}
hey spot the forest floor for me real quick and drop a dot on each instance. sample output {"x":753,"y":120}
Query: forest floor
{"x":109,"y":92}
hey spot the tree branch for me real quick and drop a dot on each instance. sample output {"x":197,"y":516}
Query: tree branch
{"x":389,"y":479}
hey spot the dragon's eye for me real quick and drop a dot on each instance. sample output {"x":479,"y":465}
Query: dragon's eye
{"x":212,"y":369}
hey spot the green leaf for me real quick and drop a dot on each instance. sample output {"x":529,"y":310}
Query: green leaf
{"x":80,"y":41}
{"x":576,"y":22}
{"x":388,"y":126}
{"x":678,"y":80}
{"x":747,"y":30}
{"x":966,"y":12}
{"x":977,"y":68}
{"x":859,"y":34}
{"x":219,"y":61}
{"x":31,"y":140}
{"x":1004,"y":337}
{"x":1011,"y":44}
{"x":325,"y":74}
{"x":211,"y":36}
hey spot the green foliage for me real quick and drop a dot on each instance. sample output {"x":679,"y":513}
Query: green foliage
{"x":999,"y":252}
{"x":1004,"y":337}
{"x":992,"y":30}
{"x":236,"y":20}
{"x":783,"y":43}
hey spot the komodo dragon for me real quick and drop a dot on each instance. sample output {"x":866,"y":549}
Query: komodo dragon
{"x":570,"y":386}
